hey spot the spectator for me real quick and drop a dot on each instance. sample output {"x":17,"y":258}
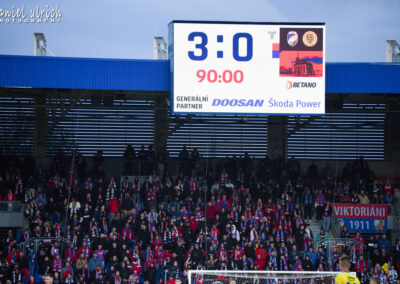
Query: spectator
{"x":162,"y":159}
{"x":150,"y":273}
{"x":392,"y":275}
{"x":81,"y":261}
{"x":313,"y":173}
{"x":326,"y":215}
{"x":81,"y":167}
{"x":129,"y":157}
{"x":142,"y":154}
{"x":113,"y":207}
{"x":387,"y":189}
{"x":364,"y":199}
{"x":184,"y":154}
{"x":308,"y":203}
{"x":95,"y":262}
{"x":98,"y":160}
{"x":10,"y":196}
{"x":67,"y":273}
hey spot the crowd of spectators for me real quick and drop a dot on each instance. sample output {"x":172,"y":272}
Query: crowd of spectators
{"x":152,"y":229}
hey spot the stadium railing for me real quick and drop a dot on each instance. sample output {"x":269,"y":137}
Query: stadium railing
{"x":339,"y":245}
{"x":10,"y":206}
{"x":36,"y":243}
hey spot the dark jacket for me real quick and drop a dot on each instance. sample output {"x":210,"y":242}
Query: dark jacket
{"x":150,"y":274}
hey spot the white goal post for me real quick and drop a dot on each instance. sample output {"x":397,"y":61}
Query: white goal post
{"x":259,"y":277}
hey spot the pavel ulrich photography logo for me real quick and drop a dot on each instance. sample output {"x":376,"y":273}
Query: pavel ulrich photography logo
{"x":290,"y":84}
{"x":35,"y":14}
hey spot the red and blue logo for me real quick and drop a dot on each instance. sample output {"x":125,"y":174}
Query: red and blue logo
{"x":292,"y":38}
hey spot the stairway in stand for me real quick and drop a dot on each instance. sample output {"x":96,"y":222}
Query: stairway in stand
{"x":315,"y":227}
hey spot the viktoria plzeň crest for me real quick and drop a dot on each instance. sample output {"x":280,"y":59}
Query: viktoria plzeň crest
{"x":292,"y":38}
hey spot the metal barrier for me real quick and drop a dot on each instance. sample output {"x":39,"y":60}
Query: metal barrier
{"x":11,"y":214}
{"x":339,"y":246}
{"x":36,"y":243}
{"x":173,"y":166}
{"x":10,"y":206}
{"x":335,"y":226}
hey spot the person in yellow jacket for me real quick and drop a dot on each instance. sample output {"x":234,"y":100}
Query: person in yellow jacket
{"x":346,"y":277}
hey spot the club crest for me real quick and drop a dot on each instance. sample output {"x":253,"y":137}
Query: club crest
{"x":292,"y":38}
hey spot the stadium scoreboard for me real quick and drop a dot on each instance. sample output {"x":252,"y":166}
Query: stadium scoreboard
{"x":247,"y":68}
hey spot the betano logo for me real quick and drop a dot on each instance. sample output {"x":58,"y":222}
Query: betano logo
{"x":290,"y":85}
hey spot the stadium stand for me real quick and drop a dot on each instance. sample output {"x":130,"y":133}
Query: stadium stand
{"x":96,"y":228}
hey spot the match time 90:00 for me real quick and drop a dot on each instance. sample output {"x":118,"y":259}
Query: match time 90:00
{"x":226,"y":76}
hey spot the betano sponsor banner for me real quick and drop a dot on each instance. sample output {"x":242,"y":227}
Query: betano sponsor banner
{"x":364,"y":218}
{"x":247,"y":68}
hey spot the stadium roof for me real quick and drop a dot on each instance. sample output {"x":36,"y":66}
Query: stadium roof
{"x":154,"y":75}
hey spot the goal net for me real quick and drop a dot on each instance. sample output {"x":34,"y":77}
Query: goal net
{"x":260,"y":277}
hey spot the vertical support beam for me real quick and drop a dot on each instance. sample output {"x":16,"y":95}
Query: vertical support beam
{"x":277,"y":133}
{"x":39,"y":44}
{"x":392,"y":135}
{"x":40,"y":134}
{"x":161,"y":123}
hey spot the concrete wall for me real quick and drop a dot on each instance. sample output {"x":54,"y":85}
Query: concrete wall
{"x":114,"y":166}
{"x":111,"y":165}
{"x":380,"y":168}
{"x":11,"y":219}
